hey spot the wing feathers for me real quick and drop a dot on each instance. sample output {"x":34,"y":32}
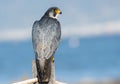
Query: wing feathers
{"x":46,"y":36}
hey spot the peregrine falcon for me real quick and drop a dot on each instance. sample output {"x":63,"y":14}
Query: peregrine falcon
{"x":46,"y":35}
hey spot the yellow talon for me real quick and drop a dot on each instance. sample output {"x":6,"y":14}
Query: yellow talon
{"x":53,"y":59}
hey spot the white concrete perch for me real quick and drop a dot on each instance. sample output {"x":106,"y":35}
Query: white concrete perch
{"x":35,"y":80}
{"x":31,"y":81}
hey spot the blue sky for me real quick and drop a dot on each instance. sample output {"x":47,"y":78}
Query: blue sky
{"x":80,"y":17}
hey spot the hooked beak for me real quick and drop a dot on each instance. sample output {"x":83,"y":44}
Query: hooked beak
{"x":60,"y":12}
{"x":57,"y":11}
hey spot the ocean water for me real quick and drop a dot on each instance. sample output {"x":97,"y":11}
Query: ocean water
{"x":92,"y":57}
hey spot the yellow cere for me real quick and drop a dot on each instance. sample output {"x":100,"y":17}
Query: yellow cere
{"x":57,"y":11}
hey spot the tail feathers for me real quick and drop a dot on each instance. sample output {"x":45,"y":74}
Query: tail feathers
{"x":43,"y":69}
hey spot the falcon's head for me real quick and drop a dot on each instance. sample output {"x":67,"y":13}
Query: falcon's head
{"x":53,"y":12}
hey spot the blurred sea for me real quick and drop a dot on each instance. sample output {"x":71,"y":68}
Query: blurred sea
{"x":76,"y":59}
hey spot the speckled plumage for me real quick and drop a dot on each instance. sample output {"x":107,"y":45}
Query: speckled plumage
{"x":46,"y":34}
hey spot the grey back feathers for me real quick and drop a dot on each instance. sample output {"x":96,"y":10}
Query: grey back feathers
{"x":46,"y":35}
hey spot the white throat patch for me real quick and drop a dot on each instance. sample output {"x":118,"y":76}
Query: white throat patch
{"x":52,"y":15}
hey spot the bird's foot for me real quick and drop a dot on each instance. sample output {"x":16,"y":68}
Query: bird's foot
{"x":53,"y":59}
